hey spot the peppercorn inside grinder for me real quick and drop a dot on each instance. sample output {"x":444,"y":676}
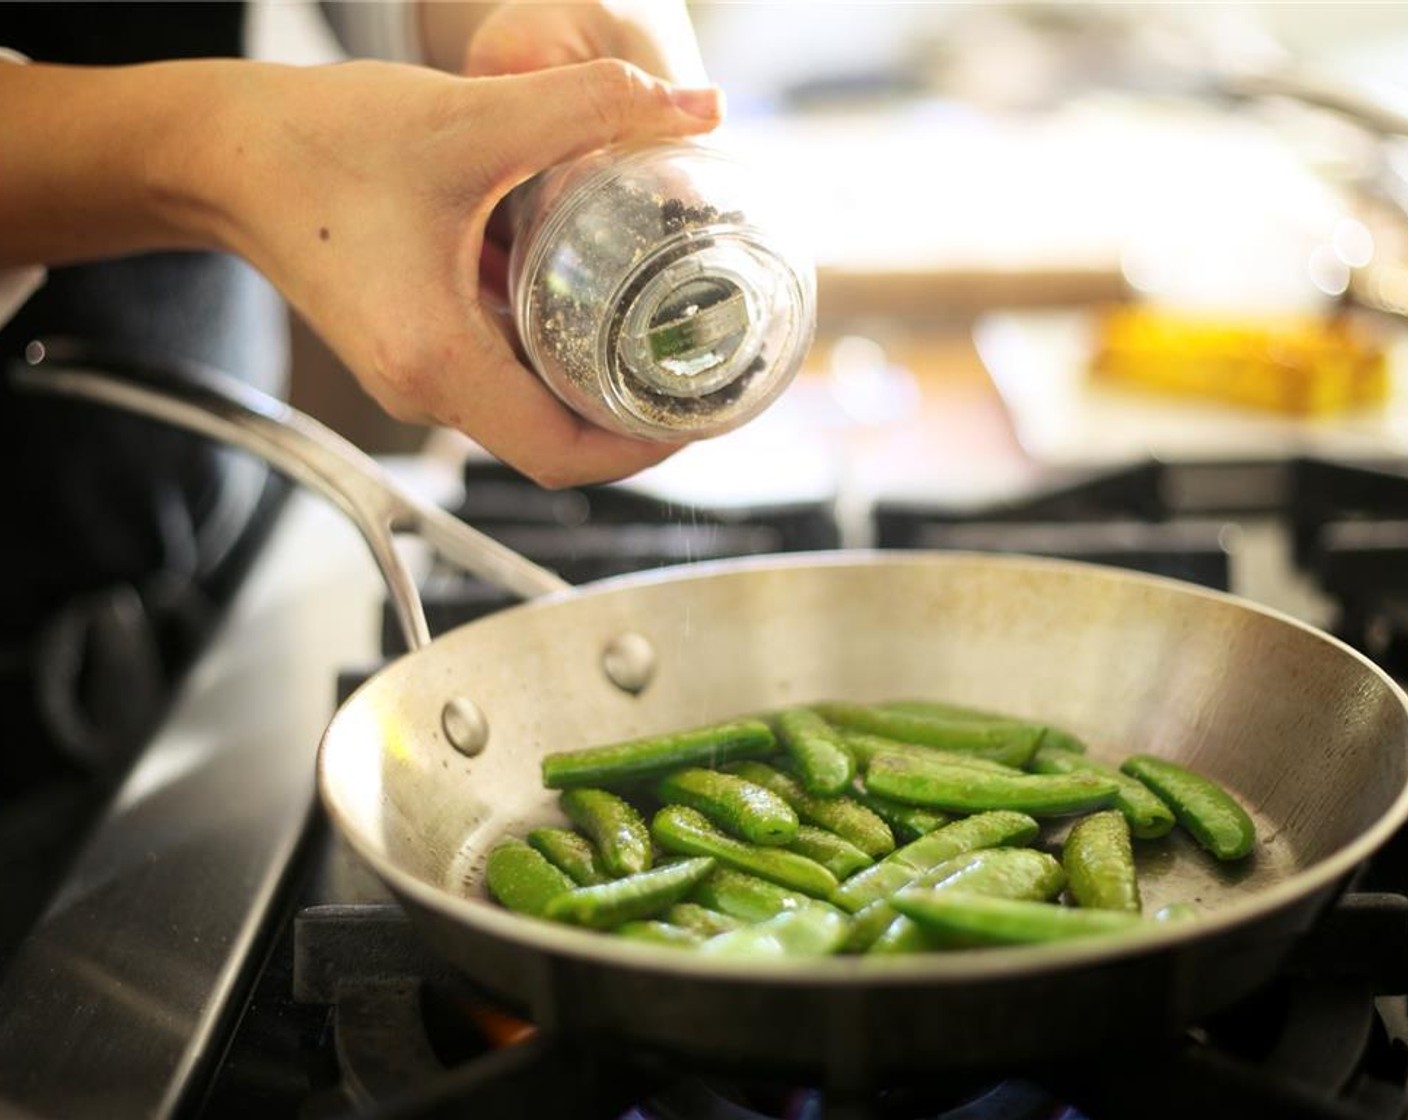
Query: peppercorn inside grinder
{"x":655,"y":291}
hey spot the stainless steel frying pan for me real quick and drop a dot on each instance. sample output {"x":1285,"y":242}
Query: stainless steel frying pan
{"x":436,"y":757}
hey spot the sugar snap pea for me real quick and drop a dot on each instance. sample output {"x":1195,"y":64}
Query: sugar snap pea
{"x":620,"y":834}
{"x":965,"y":790}
{"x":807,"y":931}
{"x":1054,"y":736}
{"x":700,"y":919}
{"x":643,"y":895}
{"x":639,"y":759}
{"x":1205,"y":809}
{"x":678,"y":828}
{"x":839,"y":856}
{"x":823,"y":764}
{"x":865,"y":748}
{"x":981,"y":920}
{"x":1099,"y":863}
{"x":995,"y":872}
{"x":570,"y":852}
{"x":848,"y":819}
{"x":737,"y":806}
{"x":661,"y":933}
{"x":522,"y":879}
{"x":1149,"y":818}
{"x":745,"y":897}
{"x":907,"y":822}
{"x":1009,"y":742}
{"x":901,"y":867}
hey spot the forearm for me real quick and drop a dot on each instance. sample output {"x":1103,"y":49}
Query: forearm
{"x":99,"y":162}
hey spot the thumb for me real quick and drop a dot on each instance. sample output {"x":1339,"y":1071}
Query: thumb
{"x":570,"y":110}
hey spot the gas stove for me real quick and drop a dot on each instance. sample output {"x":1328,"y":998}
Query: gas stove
{"x":216,"y":953}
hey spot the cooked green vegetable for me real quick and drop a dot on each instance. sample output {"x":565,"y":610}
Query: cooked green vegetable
{"x":700,"y":919}
{"x":608,"y":905}
{"x":746,"y":810}
{"x":745,"y":897}
{"x":570,"y":852}
{"x":618,"y":830}
{"x":824,"y":766}
{"x":1204,"y":808}
{"x":521,"y":879}
{"x":901,"y":867}
{"x":907,"y":822}
{"x":807,"y":931}
{"x":848,"y":819}
{"x":963,"y":789}
{"x":980,"y":920}
{"x":678,"y":828}
{"x":1011,"y":742}
{"x":1053,"y":736}
{"x":1149,"y":818}
{"x":837,"y":855}
{"x":867,"y":747}
{"x":1099,"y":863}
{"x":662,"y":933}
{"x":638,"y":759}
{"x":995,"y":872}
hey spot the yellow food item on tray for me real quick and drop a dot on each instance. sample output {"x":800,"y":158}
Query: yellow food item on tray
{"x":1302,"y":365}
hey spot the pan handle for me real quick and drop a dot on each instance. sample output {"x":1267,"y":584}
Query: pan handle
{"x":213,"y":405}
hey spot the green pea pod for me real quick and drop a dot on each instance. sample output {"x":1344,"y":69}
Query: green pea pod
{"x":570,"y":852}
{"x":965,"y":790}
{"x":866,"y":747}
{"x":700,"y":919}
{"x":678,"y":828}
{"x":1204,"y":808}
{"x":1009,"y":742}
{"x":661,"y":933}
{"x":846,"y":818}
{"x":522,"y":879}
{"x":907,"y":822}
{"x":613,"y":824}
{"x":608,"y":905}
{"x":641,"y":759}
{"x":995,"y":872}
{"x":868,"y":924}
{"x":901,"y":867}
{"x":745,"y":897}
{"x":1053,"y":736}
{"x":822,"y":763}
{"x":737,"y":806}
{"x":1149,"y":818}
{"x":837,"y":855}
{"x":1099,"y":862}
{"x":979,"y":920}
{"x":807,"y":931}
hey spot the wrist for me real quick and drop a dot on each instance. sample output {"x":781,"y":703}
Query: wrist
{"x":200,"y":153}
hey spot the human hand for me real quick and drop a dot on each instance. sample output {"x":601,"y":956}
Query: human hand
{"x":362,"y":191}
{"x":520,"y":36}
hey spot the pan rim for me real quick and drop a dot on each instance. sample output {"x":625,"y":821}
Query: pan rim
{"x":853,"y":971}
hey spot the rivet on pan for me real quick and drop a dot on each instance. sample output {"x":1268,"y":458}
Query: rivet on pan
{"x":465,"y":726}
{"x":629,"y":660}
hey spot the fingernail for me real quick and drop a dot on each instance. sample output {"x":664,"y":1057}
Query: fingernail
{"x":706,"y":104}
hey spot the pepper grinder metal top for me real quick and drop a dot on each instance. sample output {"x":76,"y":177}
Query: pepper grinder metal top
{"x":656,"y":292}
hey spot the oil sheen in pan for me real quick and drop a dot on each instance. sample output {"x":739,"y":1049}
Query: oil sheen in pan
{"x":464,"y":875}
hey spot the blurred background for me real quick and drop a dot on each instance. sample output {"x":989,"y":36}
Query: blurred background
{"x":1050,"y":233}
